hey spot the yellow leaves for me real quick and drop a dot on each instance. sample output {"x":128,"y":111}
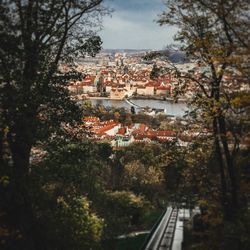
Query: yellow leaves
{"x":245,"y":187}
{"x":60,"y":200}
{"x":136,"y":172}
{"x":135,"y":169}
{"x":6,"y":130}
{"x":241,"y":101}
{"x":85,"y":203}
{"x":7,"y":234}
{"x":4,"y":232}
{"x":153,"y":176}
{"x":213,"y":51}
{"x":4,"y":180}
{"x":236,"y":102}
{"x":215,"y":109}
{"x":116,"y":115}
{"x":212,"y":108}
{"x":213,"y":215}
{"x":203,"y":203}
{"x":203,"y":43}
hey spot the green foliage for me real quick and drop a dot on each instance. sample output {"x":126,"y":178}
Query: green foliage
{"x":155,"y":72}
{"x":121,"y":115}
{"x":70,"y":224}
{"x":92,"y":45}
{"x":214,"y":35}
{"x":131,"y":243}
{"x":153,"y":122}
{"x":77,"y":167}
{"x":125,"y":201}
{"x":122,"y":211}
{"x":147,"y":154}
{"x":37,"y":39}
{"x":141,"y":168}
{"x":151,"y":217}
{"x":143,"y":180}
{"x":151,"y":55}
{"x":60,"y":183}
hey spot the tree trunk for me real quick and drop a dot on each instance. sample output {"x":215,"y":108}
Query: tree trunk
{"x":224,"y":188}
{"x":224,"y":157}
{"x":232,"y":171}
{"x":21,"y":210}
{"x":1,"y":146}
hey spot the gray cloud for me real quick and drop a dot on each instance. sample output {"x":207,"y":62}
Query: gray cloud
{"x":135,"y":28}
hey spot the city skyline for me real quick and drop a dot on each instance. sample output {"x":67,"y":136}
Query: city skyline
{"x":133,"y":25}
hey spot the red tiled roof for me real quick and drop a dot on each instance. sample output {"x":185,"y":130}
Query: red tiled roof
{"x":151,"y":84}
{"x":167,"y":133}
{"x":108,"y":82}
{"x":151,"y":134}
{"x":142,"y":128}
{"x":122,"y":131}
{"x":91,"y":119}
{"x":104,"y":129}
{"x":163,"y":88}
{"x":88,"y":77}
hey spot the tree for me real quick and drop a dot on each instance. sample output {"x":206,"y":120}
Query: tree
{"x":76,"y":167}
{"x":138,"y":168}
{"x":122,"y":211}
{"x":216,"y":35}
{"x":141,"y":180}
{"x":65,"y":185}
{"x":37,"y":39}
{"x":69,"y":224}
{"x":132,"y":110}
{"x":128,"y":120}
{"x":155,"y":72}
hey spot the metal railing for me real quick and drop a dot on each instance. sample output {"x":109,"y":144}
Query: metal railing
{"x":162,"y":234}
{"x":143,"y":247}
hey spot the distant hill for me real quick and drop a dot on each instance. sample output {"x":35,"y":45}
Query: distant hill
{"x":127,"y":51}
{"x":172,"y":53}
{"x":178,"y":57}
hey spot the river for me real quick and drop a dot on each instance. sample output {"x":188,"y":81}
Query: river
{"x":173,"y":109}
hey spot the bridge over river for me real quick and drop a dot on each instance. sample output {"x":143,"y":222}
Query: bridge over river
{"x":132,"y":104}
{"x":172,"y":109}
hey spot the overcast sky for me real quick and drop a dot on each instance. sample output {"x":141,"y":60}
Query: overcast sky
{"x":133,"y":26}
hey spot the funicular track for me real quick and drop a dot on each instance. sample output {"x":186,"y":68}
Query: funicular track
{"x":163,"y":236}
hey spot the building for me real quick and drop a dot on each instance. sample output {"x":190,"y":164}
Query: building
{"x":118,"y":93}
{"x":163,"y":90}
{"x":123,"y":141}
{"x":141,"y":90}
{"x":150,"y":89}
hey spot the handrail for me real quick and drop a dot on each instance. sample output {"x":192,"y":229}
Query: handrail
{"x":152,"y":231}
{"x":163,"y":233}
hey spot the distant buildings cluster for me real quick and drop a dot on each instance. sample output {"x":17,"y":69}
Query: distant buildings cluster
{"x":115,"y":85}
{"x":121,"y":136}
{"x":120,"y":76}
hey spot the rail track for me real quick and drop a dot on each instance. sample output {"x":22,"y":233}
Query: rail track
{"x":163,"y":236}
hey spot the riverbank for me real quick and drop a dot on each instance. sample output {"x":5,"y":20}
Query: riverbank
{"x":172,"y":108}
{"x":159,"y":98}
{"x":97,"y":98}
{"x":137,"y":97}
{"x":141,"y":97}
